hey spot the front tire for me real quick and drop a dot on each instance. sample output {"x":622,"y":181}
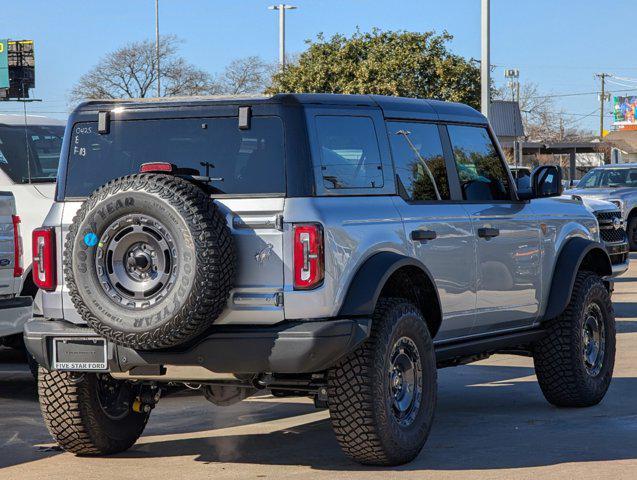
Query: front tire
{"x":90,"y":414}
{"x":574,"y":363}
{"x":382,"y":397}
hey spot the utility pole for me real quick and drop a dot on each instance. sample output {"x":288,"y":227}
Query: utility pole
{"x":602,"y":99}
{"x":157,"y":47}
{"x":282,"y":7}
{"x":485,"y":63}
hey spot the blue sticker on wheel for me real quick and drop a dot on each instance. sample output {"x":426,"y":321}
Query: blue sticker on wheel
{"x":90,"y":239}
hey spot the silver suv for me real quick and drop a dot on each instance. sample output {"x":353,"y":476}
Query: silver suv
{"x":616,"y":184}
{"x":341,"y":247}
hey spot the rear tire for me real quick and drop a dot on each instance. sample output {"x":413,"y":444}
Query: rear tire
{"x":382,"y":413}
{"x":74,"y":411}
{"x":574,"y":363}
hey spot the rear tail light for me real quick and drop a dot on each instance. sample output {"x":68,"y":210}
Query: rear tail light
{"x":152,"y":167}
{"x":17,"y":247}
{"x":308,"y":256}
{"x":44,"y":274}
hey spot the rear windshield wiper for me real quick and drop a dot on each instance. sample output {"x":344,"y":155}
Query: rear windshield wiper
{"x":39,"y":180}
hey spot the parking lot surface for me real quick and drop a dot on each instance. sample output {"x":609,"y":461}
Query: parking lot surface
{"x":492,"y":422}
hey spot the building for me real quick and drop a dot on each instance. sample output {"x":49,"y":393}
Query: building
{"x":506,"y":121}
{"x":623,"y":144}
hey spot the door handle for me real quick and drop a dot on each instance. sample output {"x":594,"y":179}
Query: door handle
{"x":488,"y":233}
{"x":423,"y":235}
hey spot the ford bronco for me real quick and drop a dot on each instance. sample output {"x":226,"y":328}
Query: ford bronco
{"x":333,"y":246}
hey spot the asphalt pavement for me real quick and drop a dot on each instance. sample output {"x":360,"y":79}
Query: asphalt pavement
{"x":491,"y":423}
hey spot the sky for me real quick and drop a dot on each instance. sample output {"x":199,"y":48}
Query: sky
{"x":560,"y":45}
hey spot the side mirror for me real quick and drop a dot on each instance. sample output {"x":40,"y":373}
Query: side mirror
{"x":546,"y":181}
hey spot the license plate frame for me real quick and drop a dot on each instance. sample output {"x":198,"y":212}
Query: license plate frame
{"x":80,"y":354}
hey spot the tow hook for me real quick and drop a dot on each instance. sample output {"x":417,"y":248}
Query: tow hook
{"x":148,"y":397}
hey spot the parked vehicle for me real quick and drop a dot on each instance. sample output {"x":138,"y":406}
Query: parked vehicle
{"x":608,"y":214}
{"x":615,"y":183}
{"x":28,"y":169}
{"x":15,"y":309}
{"x":341,"y":247}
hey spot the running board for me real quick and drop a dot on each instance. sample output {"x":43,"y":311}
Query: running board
{"x":455,"y":353}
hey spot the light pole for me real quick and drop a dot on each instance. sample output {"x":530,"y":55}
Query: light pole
{"x":157,"y":47}
{"x":282,"y":7}
{"x":485,"y":63}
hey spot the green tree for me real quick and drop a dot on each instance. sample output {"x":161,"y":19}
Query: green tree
{"x":399,"y":63}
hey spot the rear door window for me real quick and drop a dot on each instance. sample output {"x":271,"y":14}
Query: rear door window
{"x":419,"y":160}
{"x":349,"y":152}
{"x":239,"y":161}
{"x":483,"y":176}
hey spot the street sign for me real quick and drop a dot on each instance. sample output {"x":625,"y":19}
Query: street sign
{"x":4,"y":63}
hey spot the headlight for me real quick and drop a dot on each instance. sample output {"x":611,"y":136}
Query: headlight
{"x":619,"y":204}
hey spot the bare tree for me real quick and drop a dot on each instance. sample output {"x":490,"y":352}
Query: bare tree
{"x":543,"y":121}
{"x":131,"y":72}
{"x":246,"y":75}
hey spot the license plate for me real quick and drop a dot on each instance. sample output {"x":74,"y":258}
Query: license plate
{"x":79,"y":354}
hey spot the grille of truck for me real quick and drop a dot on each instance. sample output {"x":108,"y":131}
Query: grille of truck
{"x":613,"y":233}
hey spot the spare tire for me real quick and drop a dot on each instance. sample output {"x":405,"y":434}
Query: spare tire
{"x":149,"y":261}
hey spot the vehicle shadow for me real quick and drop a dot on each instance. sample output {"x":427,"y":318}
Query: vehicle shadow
{"x":488,"y":417}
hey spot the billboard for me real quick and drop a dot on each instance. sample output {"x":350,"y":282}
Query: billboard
{"x":17,"y":68}
{"x":4,"y":63}
{"x":624,"y":110}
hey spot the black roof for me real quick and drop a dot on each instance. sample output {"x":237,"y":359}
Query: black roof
{"x":393,"y":107}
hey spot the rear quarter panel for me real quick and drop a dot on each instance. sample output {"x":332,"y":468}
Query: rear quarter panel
{"x":355,"y":228}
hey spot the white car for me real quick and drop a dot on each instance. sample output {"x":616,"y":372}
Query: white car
{"x":28,"y":169}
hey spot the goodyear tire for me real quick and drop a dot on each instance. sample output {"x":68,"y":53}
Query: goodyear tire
{"x":90,"y":414}
{"x":149,"y":261}
{"x":382,"y":397}
{"x":574,"y":362}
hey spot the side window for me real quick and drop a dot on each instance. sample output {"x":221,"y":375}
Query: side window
{"x":349,"y":152}
{"x":419,"y":160}
{"x":481,"y":171}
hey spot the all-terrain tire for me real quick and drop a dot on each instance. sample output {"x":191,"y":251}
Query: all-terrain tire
{"x":360,"y":396}
{"x":198,"y":255}
{"x":560,"y":366}
{"x":75,"y":418}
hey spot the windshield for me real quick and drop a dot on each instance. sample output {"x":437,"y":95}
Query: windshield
{"x":238,"y":161}
{"x":609,"y":177}
{"x":41,"y":146}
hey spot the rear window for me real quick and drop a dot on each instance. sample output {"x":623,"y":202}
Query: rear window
{"x":41,"y":145}
{"x":240,"y":161}
{"x":349,"y":152}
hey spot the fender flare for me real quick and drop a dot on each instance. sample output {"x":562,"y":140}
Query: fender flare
{"x":368,"y":282}
{"x":567,"y":265}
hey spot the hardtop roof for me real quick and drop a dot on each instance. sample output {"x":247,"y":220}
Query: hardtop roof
{"x":393,"y":107}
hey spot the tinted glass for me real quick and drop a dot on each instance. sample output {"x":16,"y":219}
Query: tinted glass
{"x":482,"y":173}
{"x":609,"y":177}
{"x":240,"y":161}
{"x":349,"y":152}
{"x":419,"y":160}
{"x":41,"y":145}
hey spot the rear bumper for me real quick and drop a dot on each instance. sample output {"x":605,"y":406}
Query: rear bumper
{"x":14,"y":313}
{"x":288,"y":347}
